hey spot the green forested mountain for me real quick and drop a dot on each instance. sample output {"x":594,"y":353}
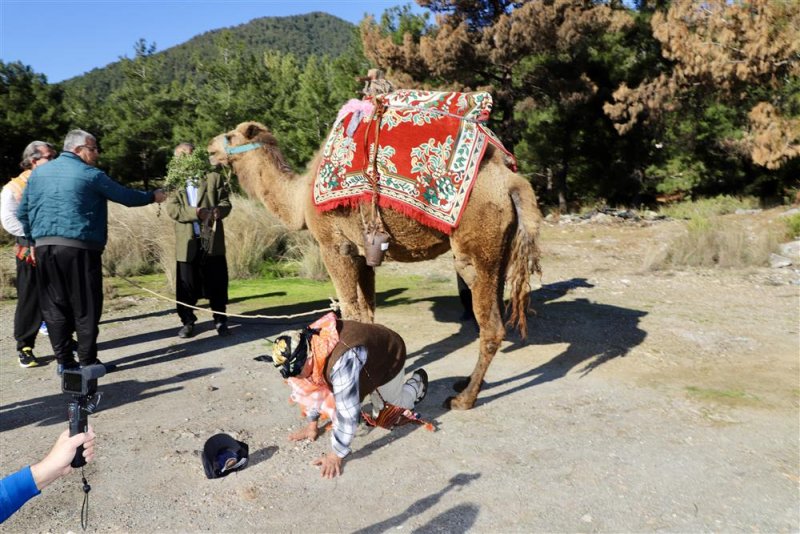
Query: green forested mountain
{"x":300,"y":35}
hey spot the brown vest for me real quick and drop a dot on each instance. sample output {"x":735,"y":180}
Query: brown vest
{"x":386,"y":353}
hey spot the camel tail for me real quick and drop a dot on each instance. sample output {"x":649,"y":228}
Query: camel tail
{"x":525,"y":253}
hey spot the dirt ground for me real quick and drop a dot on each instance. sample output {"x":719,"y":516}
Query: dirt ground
{"x":642,"y":401}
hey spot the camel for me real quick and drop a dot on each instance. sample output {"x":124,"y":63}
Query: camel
{"x":495,"y":242}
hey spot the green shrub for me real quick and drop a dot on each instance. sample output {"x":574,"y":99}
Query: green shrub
{"x":792,"y":226}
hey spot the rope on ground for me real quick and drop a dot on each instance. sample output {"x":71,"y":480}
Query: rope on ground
{"x":333,"y":307}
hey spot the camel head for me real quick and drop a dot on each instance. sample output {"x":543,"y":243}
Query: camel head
{"x":225,"y":148}
{"x":252,"y":152}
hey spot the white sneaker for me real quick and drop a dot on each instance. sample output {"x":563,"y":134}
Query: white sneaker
{"x":419,"y":381}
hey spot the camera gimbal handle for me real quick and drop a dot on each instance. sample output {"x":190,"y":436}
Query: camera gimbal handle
{"x":78,"y":422}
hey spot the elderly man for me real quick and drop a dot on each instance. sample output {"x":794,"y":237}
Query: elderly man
{"x":64,"y":210}
{"x":332,"y":365}
{"x":201,"y":267}
{"x":28,"y":314}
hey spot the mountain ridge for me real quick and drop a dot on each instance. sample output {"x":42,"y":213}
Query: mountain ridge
{"x":314,"y":33}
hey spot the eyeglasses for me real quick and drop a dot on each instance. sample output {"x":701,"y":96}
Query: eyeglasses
{"x":45,"y":158}
{"x":92,"y":148}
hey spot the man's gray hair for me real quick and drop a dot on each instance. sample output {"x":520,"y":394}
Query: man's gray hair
{"x":76,"y":138}
{"x":33,"y":152}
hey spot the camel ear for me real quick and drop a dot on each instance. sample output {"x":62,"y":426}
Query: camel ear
{"x":252,"y":131}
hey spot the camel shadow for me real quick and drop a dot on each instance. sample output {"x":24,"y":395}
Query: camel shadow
{"x":52,"y":409}
{"x":457,"y":519}
{"x":594,"y":333}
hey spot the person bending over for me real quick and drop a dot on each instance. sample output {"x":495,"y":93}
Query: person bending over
{"x":332,"y":365}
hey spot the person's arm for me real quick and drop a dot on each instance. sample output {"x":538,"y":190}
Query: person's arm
{"x":15,"y":491}
{"x":120,"y":194}
{"x":19,"y":488}
{"x":8,"y":213}
{"x":345,"y":382}
{"x":223,"y":207}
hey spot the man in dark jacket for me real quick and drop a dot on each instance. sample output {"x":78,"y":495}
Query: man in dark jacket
{"x":332,"y":366}
{"x":202,"y":269}
{"x":64,"y":210}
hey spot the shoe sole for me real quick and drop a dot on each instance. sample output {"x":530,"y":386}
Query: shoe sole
{"x":28,"y":365}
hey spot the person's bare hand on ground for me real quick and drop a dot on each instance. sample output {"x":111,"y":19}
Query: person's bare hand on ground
{"x":330,"y":465}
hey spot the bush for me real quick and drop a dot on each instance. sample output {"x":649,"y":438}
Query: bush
{"x":708,"y":207}
{"x":792,"y":226}
{"x":717,"y":242}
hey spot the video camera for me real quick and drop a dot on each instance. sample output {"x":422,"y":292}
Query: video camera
{"x":81,"y":383}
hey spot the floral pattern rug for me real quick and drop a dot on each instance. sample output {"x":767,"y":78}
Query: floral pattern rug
{"x":426,"y":150}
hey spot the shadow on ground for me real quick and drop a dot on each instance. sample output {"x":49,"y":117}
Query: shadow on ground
{"x":593,"y":332}
{"x":457,"y":519}
{"x":52,"y":409}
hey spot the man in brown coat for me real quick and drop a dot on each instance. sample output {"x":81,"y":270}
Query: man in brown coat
{"x":202,"y":269}
{"x":332,"y":366}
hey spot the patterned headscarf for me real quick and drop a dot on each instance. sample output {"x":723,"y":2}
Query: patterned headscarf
{"x":290,"y":351}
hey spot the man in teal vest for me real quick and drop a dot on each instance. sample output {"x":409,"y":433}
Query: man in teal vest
{"x":64,"y":210}
{"x":201,"y":270}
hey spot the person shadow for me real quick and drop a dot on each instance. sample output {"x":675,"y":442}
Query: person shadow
{"x":52,"y":409}
{"x":166,"y":332}
{"x":243,"y":330}
{"x":463,"y":515}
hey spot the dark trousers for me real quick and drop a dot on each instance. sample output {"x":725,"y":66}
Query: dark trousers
{"x":71,"y":296}
{"x":204,"y":276}
{"x":28,"y":315}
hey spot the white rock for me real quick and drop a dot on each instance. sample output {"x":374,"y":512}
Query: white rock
{"x":777,"y":262}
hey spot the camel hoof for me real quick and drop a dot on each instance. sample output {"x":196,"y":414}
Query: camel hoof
{"x":454,"y":403}
{"x":461,"y":385}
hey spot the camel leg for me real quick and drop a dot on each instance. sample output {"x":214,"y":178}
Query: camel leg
{"x":346,"y":272}
{"x":487,"y":292}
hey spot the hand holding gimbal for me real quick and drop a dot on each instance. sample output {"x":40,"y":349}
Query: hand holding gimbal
{"x":81,"y":383}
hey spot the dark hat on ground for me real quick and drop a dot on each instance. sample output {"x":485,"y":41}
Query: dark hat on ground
{"x":222,"y":455}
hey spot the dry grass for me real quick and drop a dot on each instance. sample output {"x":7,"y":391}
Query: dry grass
{"x":141,"y":242}
{"x":717,"y":241}
{"x":708,"y":207}
{"x":135,"y":239}
{"x":304,"y":250}
{"x":252,"y":236}
{"x":8,"y":273}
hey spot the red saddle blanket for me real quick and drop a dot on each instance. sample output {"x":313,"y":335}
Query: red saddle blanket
{"x":426,"y":147}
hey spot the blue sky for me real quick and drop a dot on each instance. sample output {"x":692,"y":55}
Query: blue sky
{"x":62,"y":39}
